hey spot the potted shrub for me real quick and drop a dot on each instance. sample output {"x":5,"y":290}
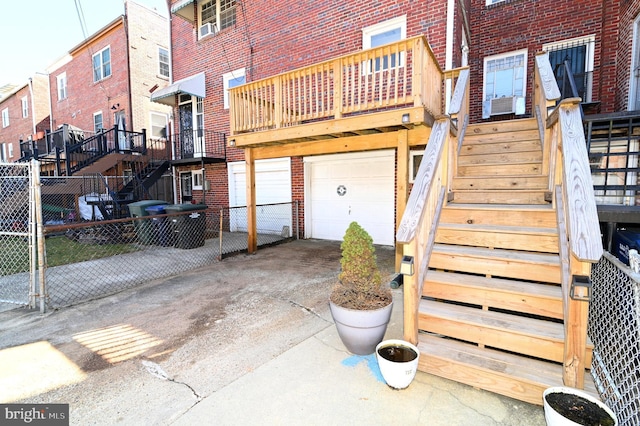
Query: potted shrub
{"x":360,"y":304}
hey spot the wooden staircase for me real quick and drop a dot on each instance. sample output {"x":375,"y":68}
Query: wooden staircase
{"x":491,"y":312}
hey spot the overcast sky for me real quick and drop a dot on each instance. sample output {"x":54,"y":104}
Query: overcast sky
{"x":36,"y":33}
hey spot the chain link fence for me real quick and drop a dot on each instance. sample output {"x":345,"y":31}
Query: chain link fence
{"x":16,"y":234}
{"x":94,"y":245}
{"x":614,"y":328}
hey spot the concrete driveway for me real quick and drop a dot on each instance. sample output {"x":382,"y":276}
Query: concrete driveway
{"x":249,"y":340}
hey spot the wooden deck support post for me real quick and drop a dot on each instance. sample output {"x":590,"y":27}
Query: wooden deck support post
{"x":402,"y":185}
{"x":575,"y":331}
{"x":252,"y":228}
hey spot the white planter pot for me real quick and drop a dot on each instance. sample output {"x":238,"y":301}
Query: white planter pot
{"x":554,"y":418}
{"x":398,"y":362}
{"x":361,"y":331}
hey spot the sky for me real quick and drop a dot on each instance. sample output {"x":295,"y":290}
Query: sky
{"x":37,"y":33}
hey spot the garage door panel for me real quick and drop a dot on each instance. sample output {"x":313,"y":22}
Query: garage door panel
{"x":369,"y":181}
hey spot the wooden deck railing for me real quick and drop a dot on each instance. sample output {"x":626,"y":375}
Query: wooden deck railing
{"x":417,"y":227}
{"x":564,"y":149}
{"x":403,"y":73}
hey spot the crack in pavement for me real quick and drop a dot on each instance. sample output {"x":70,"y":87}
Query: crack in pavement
{"x":157,"y":371}
{"x":310,"y":310}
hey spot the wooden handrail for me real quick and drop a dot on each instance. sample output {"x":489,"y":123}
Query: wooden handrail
{"x":421,"y":216}
{"x":402,"y":73}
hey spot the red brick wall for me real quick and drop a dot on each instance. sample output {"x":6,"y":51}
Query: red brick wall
{"x":84,"y":97}
{"x":519,"y":24}
{"x":21,"y":128}
{"x":271,"y":37}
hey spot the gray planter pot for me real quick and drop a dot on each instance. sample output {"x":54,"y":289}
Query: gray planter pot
{"x":361,"y":331}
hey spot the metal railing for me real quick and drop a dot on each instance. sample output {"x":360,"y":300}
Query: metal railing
{"x":613,"y":143}
{"x":199,"y":143}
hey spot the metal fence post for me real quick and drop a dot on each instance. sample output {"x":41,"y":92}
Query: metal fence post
{"x":220,"y":233}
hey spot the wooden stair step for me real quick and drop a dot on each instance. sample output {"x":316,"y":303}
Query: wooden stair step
{"x":517,"y":377}
{"x":542,"y":215}
{"x":527,"y":140}
{"x":493,"y":196}
{"x":541,"y":267}
{"x":528,"y":336}
{"x":500,"y":158}
{"x":499,"y":236}
{"x":536,"y":182}
{"x":511,"y":169}
{"x":533,"y":298}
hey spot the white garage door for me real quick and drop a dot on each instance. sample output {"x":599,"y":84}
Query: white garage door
{"x":273,"y":185}
{"x":350,"y":187}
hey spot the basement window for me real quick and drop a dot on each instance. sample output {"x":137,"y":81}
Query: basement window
{"x":415,"y":158}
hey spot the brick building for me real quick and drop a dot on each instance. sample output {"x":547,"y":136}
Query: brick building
{"x":221,"y":44}
{"x":595,"y":36}
{"x":110,"y":76}
{"x":25,"y":113}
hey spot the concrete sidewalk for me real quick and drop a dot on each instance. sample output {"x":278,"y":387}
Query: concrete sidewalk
{"x":249,"y":340}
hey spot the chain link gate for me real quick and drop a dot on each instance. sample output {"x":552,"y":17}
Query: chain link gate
{"x":18,"y":234}
{"x":614,"y":329}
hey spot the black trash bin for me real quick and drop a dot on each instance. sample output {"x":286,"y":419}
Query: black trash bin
{"x":144,"y":228}
{"x":188,"y":229}
{"x":162,"y":229}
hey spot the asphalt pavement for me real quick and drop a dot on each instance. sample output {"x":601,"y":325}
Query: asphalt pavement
{"x":248,"y":340}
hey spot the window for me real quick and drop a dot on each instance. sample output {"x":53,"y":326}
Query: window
{"x":494,"y":2}
{"x":10,"y":146}
{"x":97,"y":122}
{"x":231,"y":80}
{"x":215,"y":15}
{"x":578,"y":55}
{"x":25,"y":107}
{"x":198,"y":179}
{"x":504,"y":84}
{"x":158,"y":125}
{"x":163,"y":62}
{"x":102,"y":64}
{"x":3,"y":152}
{"x":185,"y":186}
{"x":62,"y":86}
{"x":5,"y":117}
{"x":415,"y":158}
{"x":383,"y":33}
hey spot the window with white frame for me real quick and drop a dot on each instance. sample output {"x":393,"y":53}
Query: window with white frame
{"x":97,"y":121}
{"x":62,"y":86}
{"x":415,"y":158}
{"x":215,"y":15}
{"x":10,"y":146}
{"x":394,"y":29}
{"x":494,"y":2}
{"x":231,"y":80}
{"x":25,"y":107}
{"x":158,"y":125}
{"x":3,"y":152}
{"x":102,"y":64}
{"x":198,"y":179}
{"x":163,"y":62}
{"x":578,"y":55}
{"x":5,"y":117}
{"x":505,"y":78}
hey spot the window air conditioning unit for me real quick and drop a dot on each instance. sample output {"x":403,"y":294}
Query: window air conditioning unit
{"x":207,"y":29}
{"x":506,"y":105}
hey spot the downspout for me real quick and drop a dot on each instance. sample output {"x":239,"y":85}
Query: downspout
{"x":125,"y":21}
{"x":33,"y":108}
{"x":448,"y":61}
{"x":170,"y":47}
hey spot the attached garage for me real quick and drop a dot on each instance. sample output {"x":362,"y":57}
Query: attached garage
{"x":273,"y":185}
{"x":343,"y":188}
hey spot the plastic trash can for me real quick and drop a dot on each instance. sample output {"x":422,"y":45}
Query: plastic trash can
{"x":188,"y":229}
{"x":144,"y":228}
{"x":160,"y":226}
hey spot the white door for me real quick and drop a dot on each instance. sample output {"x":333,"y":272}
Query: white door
{"x":350,"y":187}
{"x":273,"y":186}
